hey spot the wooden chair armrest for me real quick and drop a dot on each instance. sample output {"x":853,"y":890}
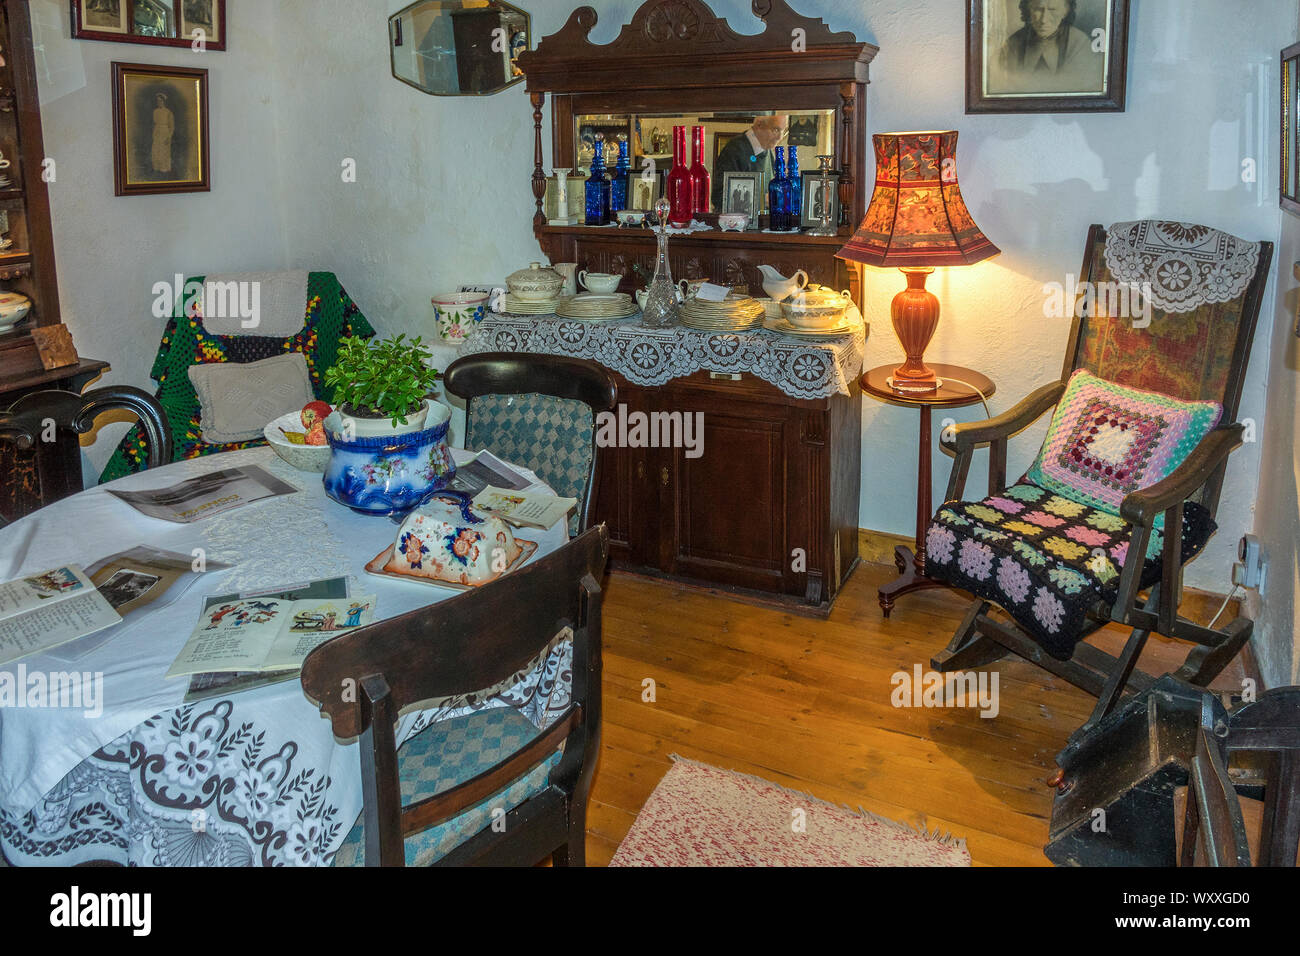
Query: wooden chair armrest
{"x":1141,"y":507}
{"x":964,"y":437}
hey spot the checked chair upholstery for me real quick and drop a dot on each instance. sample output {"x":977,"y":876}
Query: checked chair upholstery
{"x":489,"y":788}
{"x":1063,"y":568}
{"x":538,"y":411}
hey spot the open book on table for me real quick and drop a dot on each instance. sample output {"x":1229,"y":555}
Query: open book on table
{"x":46,"y":610}
{"x":266,"y":634}
{"x":524,"y":509}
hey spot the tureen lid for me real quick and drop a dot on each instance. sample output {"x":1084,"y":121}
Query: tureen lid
{"x":816,"y":296}
{"x":535,"y":273}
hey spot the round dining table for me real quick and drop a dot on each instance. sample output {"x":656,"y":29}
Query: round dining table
{"x":254,"y":778}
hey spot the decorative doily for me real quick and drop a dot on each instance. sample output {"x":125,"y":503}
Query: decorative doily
{"x":1186,"y":265}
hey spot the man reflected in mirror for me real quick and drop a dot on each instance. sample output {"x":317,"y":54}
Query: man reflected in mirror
{"x":751,"y":152}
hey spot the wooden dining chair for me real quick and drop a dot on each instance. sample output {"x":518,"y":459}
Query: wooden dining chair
{"x":487,"y":789}
{"x":538,"y":411}
{"x":32,"y":421}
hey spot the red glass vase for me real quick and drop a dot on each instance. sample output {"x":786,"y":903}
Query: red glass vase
{"x":701,"y":183}
{"x":678,"y":185}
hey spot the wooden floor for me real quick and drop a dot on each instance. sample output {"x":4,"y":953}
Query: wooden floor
{"x":806,"y":704}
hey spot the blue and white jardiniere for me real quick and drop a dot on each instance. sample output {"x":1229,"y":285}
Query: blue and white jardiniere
{"x":389,"y":473}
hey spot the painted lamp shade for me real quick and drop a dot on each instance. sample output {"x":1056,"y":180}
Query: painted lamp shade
{"x":917,"y":221}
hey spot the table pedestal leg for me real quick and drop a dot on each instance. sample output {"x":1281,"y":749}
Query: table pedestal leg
{"x":911,"y":564}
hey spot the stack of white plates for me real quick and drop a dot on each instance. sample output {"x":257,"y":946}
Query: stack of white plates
{"x":518,"y":306}
{"x":738,"y":313}
{"x":592,"y":307}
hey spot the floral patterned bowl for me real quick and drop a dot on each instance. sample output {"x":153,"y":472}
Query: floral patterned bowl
{"x":390,"y":474}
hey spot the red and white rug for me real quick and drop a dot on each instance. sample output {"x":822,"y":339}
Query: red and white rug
{"x":702,"y":816}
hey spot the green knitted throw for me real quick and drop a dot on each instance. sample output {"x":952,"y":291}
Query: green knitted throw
{"x":330,"y":316}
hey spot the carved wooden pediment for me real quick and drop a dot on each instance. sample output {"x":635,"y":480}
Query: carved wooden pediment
{"x":670,"y":35}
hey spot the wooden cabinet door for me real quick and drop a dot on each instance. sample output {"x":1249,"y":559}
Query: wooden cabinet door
{"x":730,"y":508}
{"x":627,"y":497}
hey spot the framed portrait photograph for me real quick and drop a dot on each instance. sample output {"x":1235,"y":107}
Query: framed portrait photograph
{"x":814,"y":197}
{"x":1046,"y":56}
{"x":1289,"y":158}
{"x":101,"y":16}
{"x":178,"y":23}
{"x":160,"y":130}
{"x":742,"y":192}
{"x":644,"y":191}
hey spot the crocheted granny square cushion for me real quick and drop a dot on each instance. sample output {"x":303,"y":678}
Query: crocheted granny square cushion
{"x":1107,"y":440}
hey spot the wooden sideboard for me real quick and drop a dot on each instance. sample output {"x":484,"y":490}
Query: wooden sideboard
{"x":770,"y":510}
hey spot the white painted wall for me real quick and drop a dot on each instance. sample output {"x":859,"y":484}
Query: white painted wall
{"x":443,"y":193}
{"x":111,"y":251}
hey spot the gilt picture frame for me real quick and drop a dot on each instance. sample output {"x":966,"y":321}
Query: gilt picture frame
{"x":173,"y":23}
{"x":1289,"y":139}
{"x":160,"y":130}
{"x":1046,"y":56}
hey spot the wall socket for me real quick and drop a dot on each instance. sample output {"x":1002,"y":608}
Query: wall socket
{"x":1249,"y":571}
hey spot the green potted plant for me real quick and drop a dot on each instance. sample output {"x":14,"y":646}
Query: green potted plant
{"x":388,"y":439}
{"x":381,"y":385}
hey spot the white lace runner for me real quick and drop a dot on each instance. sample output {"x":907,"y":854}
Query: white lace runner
{"x":1186,"y":265}
{"x":801,"y":368}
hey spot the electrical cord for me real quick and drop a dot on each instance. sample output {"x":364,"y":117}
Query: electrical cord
{"x":1226,"y":602}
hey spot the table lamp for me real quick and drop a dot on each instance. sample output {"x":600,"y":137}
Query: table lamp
{"x":917,"y":220}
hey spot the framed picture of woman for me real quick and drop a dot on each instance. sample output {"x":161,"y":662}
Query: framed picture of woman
{"x":1046,"y":56}
{"x":160,"y":130}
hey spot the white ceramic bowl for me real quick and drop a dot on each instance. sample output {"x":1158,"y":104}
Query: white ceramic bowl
{"x":303,"y":457}
{"x":733,"y":222}
{"x":14,"y":307}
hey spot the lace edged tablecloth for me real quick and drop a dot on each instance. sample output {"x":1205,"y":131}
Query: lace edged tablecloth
{"x":249,"y":779}
{"x":801,"y":368}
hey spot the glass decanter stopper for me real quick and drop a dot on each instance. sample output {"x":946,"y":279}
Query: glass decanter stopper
{"x":660,"y":311}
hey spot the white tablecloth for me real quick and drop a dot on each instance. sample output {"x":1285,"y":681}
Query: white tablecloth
{"x":254,"y":778}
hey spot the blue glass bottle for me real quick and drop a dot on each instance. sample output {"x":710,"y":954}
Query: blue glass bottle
{"x":778,"y":195}
{"x":598,"y":188}
{"x":618,"y":188}
{"x":796,"y":189}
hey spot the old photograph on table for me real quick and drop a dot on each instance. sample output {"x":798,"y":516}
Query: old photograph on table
{"x":1046,"y":55}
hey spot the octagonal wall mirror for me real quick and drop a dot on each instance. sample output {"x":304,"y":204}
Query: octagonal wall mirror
{"x":458,"y":47}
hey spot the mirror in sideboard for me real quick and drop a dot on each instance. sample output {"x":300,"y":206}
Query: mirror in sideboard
{"x":458,"y":47}
{"x":733,"y":142}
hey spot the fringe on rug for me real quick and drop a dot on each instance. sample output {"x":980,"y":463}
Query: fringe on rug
{"x":930,"y":836}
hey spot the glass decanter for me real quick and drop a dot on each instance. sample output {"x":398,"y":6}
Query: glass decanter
{"x":598,"y":188}
{"x":660,"y":310}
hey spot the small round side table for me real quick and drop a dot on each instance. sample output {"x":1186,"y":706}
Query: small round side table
{"x":951,"y":393}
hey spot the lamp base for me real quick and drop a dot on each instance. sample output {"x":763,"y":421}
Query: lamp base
{"x":915,"y":312}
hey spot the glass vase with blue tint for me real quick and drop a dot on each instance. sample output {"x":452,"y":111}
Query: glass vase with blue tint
{"x":598,"y":193}
{"x":618,"y":187}
{"x":778,"y":194}
{"x":795,"y":179}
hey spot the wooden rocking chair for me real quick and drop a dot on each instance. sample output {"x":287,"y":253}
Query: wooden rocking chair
{"x":1199,"y":354}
